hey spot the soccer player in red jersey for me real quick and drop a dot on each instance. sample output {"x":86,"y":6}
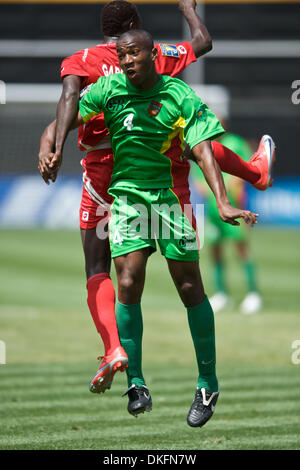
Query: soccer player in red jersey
{"x":77,"y":72}
{"x":149,"y":116}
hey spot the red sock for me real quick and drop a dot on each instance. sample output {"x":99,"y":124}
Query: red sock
{"x":231,"y":163}
{"x":101,"y":302}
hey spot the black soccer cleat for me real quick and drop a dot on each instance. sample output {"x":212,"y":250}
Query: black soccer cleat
{"x":139,"y":399}
{"x":202,"y":407}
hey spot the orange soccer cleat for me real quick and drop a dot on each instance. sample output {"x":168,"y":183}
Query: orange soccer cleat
{"x":102,"y":381}
{"x":263,"y":159}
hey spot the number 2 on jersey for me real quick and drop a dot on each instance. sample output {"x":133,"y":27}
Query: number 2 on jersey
{"x":128,"y":121}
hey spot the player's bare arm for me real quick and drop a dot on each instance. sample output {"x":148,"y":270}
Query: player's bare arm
{"x":201,"y":40}
{"x":211,"y":170}
{"x":56,"y":158}
{"x":49,"y":161}
{"x":66,"y":113}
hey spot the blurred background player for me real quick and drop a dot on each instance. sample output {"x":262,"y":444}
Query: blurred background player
{"x":77,"y":72}
{"x":217,"y":233}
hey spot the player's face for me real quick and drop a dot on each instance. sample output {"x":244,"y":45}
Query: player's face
{"x":137,"y":62}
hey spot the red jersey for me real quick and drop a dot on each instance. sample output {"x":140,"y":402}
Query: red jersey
{"x":102,"y":60}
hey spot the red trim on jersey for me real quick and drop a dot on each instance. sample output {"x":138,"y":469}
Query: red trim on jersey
{"x":180,"y":167}
{"x":183,"y":195}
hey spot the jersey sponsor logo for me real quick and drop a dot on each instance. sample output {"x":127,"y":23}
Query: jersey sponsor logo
{"x":116,"y":104}
{"x":169,"y":50}
{"x":201,"y":113}
{"x":154,"y":108}
{"x":84,"y":91}
{"x":188,"y":243}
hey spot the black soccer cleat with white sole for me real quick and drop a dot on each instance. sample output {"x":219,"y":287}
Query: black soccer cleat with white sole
{"x":139,"y":399}
{"x":202,"y":407}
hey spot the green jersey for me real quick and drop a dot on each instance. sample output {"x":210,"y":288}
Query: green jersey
{"x":148,"y":127}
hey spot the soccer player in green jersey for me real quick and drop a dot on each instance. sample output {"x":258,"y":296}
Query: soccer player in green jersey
{"x":149,"y":116}
{"x":78,"y":71}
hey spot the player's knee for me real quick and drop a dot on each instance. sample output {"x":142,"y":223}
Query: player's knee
{"x":126,"y":283}
{"x":190,"y":292}
{"x":187,"y":288}
{"x":130,"y":289}
{"x":97,"y":267}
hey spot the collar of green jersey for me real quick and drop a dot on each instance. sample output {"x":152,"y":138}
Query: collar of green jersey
{"x":137,"y":91}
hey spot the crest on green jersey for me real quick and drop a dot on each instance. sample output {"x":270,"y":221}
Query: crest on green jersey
{"x":201,"y":113}
{"x":154,"y":108}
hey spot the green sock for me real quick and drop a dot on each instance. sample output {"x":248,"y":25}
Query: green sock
{"x":201,"y":322}
{"x":219,"y":277}
{"x":249,"y":270}
{"x":130,"y":326}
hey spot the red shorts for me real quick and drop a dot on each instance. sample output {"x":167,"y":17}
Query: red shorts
{"x":95,"y":200}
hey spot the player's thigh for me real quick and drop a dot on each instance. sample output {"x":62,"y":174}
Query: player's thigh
{"x":131,"y":273}
{"x":95,"y":200}
{"x":96,"y":252}
{"x":94,"y":235}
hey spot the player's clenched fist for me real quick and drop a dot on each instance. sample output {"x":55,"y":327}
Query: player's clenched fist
{"x":49,"y":164}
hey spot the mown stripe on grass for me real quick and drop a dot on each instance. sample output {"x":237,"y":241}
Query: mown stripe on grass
{"x":38,"y":399}
{"x":127,"y":438}
{"x":61,"y":413}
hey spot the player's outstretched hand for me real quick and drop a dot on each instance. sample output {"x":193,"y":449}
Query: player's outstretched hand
{"x":229,"y":214}
{"x":182,"y":4}
{"x":44,"y":167}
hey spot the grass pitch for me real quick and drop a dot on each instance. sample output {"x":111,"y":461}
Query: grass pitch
{"x":52,"y":345}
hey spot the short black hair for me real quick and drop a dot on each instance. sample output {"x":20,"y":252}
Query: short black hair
{"x":141,"y":34}
{"x":117,"y":16}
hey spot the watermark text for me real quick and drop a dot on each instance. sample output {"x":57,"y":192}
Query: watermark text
{"x":296,"y":93}
{"x":2,"y":92}
{"x":159,"y":221}
{"x":2,"y":352}
{"x":296,"y":354}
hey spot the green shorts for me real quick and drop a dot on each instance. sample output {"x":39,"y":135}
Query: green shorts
{"x":139,"y":218}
